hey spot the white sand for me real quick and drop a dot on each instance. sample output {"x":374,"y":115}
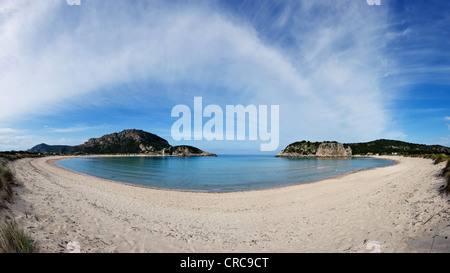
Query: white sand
{"x":399,"y":207}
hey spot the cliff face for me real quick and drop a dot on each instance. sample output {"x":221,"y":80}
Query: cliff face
{"x":333,"y":149}
{"x":126,"y":142}
{"x":315,"y":149}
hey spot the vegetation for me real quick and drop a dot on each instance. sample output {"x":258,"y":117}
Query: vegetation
{"x":446,"y":175}
{"x":126,"y":142}
{"x":191,"y":149}
{"x":11,"y":156}
{"x":6,"y":181}
{"x":385,"y":146}
{"x":6,"y":176}
{"x":302,"y":147}
{"x":14,"y":239}
{"x":44,"y":148}
{"x":439,"y":158}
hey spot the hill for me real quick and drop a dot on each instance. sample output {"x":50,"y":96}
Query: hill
{"x":44,"y":148}
{"x":386,"y":146}
{"x":315,"y":149}
{"x":381,"y":146}
{"x":130,"y":141}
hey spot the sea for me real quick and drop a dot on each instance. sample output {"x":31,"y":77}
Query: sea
{"x":223,"y":173}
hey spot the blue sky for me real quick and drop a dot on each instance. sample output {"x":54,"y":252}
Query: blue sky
{"x":339,"y":70}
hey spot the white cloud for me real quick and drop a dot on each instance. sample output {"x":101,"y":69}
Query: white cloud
{"x":328,"y":88}
{"x":78,"y":128}
{"x":15,"y":142}
{"x":9,"y":131}
{"x":445,"y":141}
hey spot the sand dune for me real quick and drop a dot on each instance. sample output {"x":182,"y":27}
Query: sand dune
{"x":391,"y":209}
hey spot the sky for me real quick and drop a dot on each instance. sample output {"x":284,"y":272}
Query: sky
{"x":338,"y":70}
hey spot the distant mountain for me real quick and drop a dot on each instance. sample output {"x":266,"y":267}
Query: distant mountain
{"x":44,"y":148}
{"x":126,"y":142}
{"x":386,"y":146}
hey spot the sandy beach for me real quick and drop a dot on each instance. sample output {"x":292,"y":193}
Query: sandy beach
{"x":390,"y":209}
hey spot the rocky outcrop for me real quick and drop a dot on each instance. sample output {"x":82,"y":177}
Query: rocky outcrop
{"x":333,"y":149}
{"x":185,"y":150}
{"x":315,"y":149}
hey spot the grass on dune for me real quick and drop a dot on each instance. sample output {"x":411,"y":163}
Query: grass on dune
{"x":14,"y":239}
{"x":446,"y":174}
{"x":6,"y":180}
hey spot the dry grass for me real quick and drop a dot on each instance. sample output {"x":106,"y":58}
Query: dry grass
{"x":446,"y":174}
{"x":441,"y":158}
{"x":6,"y":181}
{"x":13,"y":239}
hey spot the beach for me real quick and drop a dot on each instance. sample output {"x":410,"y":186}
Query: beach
{"x":390,"y":209}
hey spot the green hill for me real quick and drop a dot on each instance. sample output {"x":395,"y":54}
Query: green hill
{"x":130,"y":141}
{"x":44,"y":148}
{"x":386,"y":146}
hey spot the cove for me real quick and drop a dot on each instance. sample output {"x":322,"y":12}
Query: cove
{"x":218,"y":174}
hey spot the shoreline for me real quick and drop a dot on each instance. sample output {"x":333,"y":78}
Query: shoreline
{"x":398,"y":206}
{"x":60,"y":158}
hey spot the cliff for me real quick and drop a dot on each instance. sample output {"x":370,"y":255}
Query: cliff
{"x":315,"y":149}
{"x":333,"y":149}
{"x":126,"y":142}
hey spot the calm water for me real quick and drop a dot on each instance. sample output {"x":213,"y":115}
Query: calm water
{"x":222,"y":173}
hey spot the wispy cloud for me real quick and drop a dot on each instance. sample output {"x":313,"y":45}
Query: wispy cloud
{"x":10,"y":131}
{"x":78,"y":128}
{"x":323,"y":62}
{"x":445,"y":140}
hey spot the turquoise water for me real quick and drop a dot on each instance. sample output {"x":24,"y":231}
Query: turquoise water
{"x":222,"y":173}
